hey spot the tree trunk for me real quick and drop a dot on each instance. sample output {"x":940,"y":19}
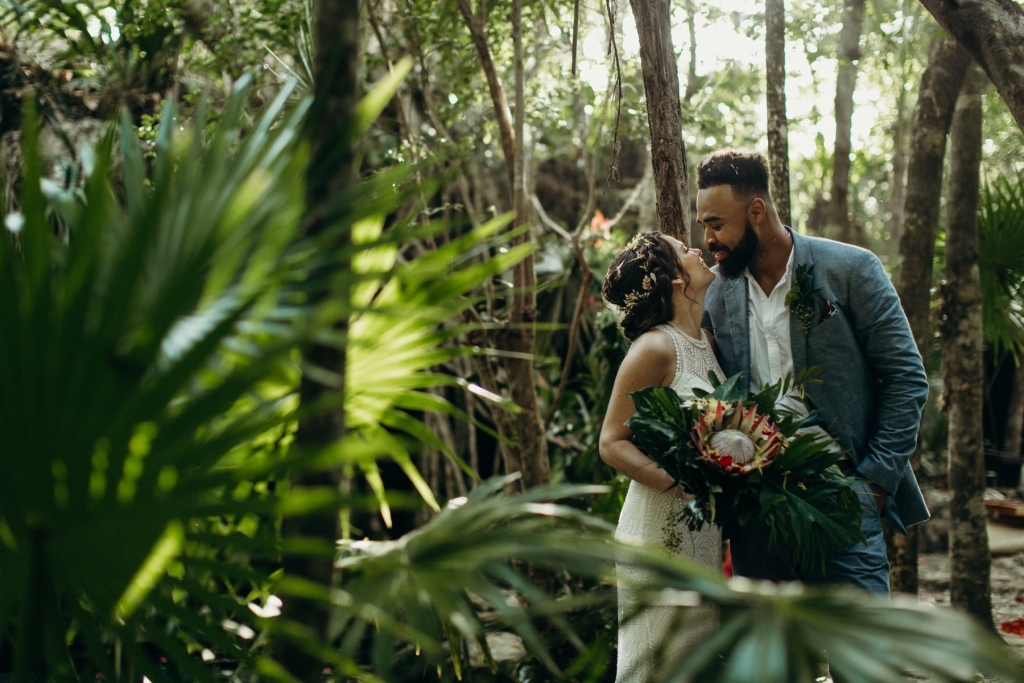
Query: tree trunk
{"x":992,"y":32}
{"x":691,"y":73}
{"x":476,"y":24}
{"x":933,"y":115}
{"x":898,"y":181}
{"x":778,"y":125}
{"x":331,"y":173}
{"x":848,"y":55}
{"x":902,"y":130}
{"x":1015,"y":418}
{"x":963,"y":365}
{"x":936,"y":101}
{"x":664,"y":115}
{"x":530,"y":433}
{"x":528,"y":452}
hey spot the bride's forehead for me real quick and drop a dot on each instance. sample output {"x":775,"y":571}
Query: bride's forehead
{"x":680,"y":248}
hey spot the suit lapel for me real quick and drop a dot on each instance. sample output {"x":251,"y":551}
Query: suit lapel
{"x":797,"y":336}
{"x":738,"y":324}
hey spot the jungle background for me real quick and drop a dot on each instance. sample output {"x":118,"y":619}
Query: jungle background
{"x":292,"y":291}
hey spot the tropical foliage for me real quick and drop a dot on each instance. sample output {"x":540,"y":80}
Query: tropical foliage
{"x":142,"y":435}
{"x":159,"y":287}
{"x":148,"y":508}
{"x":141,"y":527}
{"x":1001,"y":262}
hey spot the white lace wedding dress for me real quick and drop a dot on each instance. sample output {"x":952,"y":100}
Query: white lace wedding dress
{"x":657,"y":636}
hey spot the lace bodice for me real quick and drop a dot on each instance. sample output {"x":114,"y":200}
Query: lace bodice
{"x":695,"y":358}
{"x":655,"y":636}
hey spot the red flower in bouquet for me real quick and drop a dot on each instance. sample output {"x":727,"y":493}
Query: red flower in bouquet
{"x":735,"y":436}
{"x":712,"y":445}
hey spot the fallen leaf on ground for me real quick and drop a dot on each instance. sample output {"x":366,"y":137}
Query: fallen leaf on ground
{"x":1015,"y":627}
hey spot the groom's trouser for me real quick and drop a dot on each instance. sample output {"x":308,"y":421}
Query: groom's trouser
{"x":865,"y":567}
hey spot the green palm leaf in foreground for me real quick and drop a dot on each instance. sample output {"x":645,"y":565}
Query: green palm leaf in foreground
{"x":147,"y":385}
{"x":452,"y":582}
{"x":781,"y":633}
{"x":128,"y":421}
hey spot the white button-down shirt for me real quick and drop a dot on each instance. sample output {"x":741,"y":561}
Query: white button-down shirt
{"x":771,"y":355}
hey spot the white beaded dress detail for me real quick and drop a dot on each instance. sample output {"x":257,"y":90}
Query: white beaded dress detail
{"x":661,"y":634}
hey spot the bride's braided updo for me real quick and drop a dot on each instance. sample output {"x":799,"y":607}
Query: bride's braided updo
{"x":639,"y":282}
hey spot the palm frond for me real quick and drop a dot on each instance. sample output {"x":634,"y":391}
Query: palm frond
{"x":782,"y":633}
{"x":453,"y":581}
{"x":1001,"y":262}
{"x":130,"y":416}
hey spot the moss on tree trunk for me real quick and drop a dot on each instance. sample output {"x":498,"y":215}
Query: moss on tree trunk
{"x":963,"y":361}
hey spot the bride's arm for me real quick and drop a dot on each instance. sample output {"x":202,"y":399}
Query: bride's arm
{"x":651,"y":361}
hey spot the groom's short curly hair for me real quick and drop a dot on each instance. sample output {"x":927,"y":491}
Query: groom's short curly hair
{"x":746,"y":171}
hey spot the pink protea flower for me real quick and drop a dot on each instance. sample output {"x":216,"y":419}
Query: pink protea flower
{"x":735,"y":437}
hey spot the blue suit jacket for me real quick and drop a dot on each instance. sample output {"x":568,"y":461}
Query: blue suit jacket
{"x":873,"y":381}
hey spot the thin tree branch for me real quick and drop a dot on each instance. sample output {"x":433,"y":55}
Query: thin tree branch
{"x":403,"y":120}
{"x":691,"y":74}
{"x":575,"y":32}
{"x":574,"y":328}
{"x":547,"y":221}
{"x":613,"y":169}
{"x":501,"y":111}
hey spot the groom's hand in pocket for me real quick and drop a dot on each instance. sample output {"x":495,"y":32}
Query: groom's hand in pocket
{"x":880,"y":495}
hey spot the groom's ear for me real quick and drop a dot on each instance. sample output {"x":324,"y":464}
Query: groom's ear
{"x":757,"y":211}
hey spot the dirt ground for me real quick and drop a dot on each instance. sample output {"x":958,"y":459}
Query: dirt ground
{"x":1007,"y":589}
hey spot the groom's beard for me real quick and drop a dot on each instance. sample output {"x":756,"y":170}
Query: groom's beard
{"x":740,"y":256}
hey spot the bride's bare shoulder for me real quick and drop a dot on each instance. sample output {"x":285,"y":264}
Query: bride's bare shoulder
{"x":654,"y":344}
{"x":651,"y":361}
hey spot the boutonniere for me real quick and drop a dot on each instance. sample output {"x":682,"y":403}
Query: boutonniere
{"x":800,"y":297}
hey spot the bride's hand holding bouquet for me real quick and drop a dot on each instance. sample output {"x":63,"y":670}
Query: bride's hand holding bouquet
{"x":743,"y":457}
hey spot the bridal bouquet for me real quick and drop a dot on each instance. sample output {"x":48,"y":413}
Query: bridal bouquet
{"x":745,"y":458}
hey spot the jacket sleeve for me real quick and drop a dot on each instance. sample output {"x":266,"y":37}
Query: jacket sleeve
{"x":900,"y":381}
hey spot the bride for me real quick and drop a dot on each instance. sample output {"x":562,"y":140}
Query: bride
{"x":659,"y":285}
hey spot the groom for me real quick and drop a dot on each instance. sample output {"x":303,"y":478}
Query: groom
{"x":846,"y":319}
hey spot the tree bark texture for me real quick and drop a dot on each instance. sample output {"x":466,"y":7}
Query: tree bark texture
{"x":898,"y":179}
{"x":331,"y":172}
{"x":936,"y":101}
{"x":664,"y":115}
{"x":940,"y":84}
{"x":901,"y":131}
{"x":992,"y":32}
{"x":778,"y":123}
{"x":848,"y":55}
{"x":531,"y":444}
{"x":963,"y":364}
